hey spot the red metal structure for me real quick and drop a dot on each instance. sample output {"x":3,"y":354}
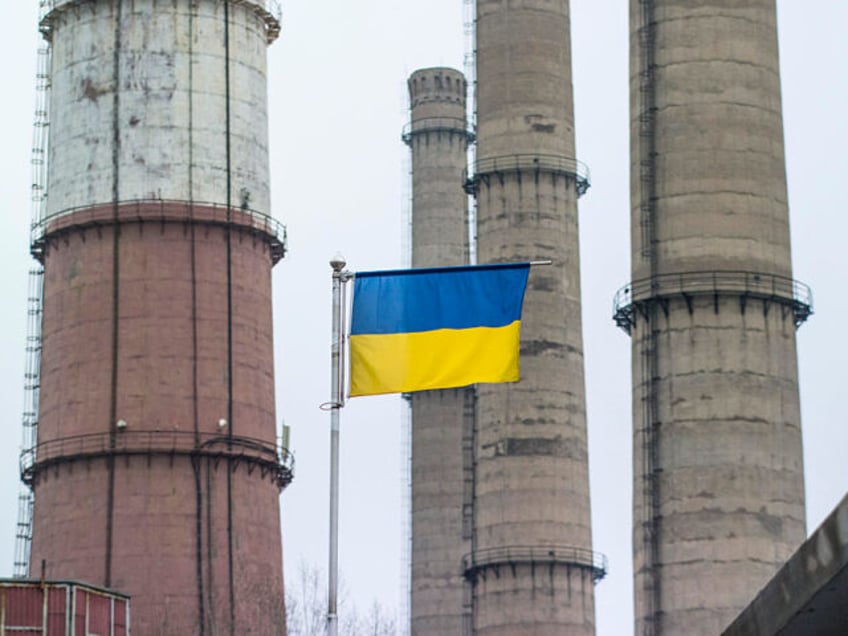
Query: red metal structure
{"x":61,"y":608}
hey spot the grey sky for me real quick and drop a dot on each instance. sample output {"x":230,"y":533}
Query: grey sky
{"x":337,"y":105}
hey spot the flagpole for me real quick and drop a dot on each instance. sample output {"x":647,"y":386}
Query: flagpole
{"x":336,"y":402}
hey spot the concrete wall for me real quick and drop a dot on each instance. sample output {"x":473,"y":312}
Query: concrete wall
{"x":531,"y":478}
{"x":809,"y":594}
{"x":168,"y":118}
{"x":524,"y":89}
{"x":718,"y":475}
{"x":721,"y":178}
{"x":442,"y":421}
{"x":158,"y":315}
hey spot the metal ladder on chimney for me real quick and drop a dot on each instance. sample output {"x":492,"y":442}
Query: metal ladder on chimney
{"x":649,"y":436}
{"x":32,"y":368}
{"x":32,"y":380}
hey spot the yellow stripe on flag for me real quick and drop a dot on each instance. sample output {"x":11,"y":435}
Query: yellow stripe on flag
{"x":444,"y":358}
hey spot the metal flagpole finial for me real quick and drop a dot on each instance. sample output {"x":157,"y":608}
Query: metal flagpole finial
{"x":338,"y":262}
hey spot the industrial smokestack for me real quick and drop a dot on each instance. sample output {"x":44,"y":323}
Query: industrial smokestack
{"x":531,"y":568}
{"x":442,"y":421}
{"x":157,"y":247}
{"x":712,"y":310}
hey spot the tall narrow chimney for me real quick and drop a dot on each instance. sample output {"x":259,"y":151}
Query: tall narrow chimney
{"x":156,"y":470}
{"x":442,"y":421}
{"x":712,"y":311}
{"x":532,"y":568}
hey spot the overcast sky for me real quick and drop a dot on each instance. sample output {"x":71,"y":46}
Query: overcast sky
{"x":337,"y":87}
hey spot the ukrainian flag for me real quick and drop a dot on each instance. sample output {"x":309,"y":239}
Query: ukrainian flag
{"x":421,"y":329}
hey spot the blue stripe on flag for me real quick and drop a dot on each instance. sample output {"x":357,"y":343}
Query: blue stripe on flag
{"x":416,"y":300}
